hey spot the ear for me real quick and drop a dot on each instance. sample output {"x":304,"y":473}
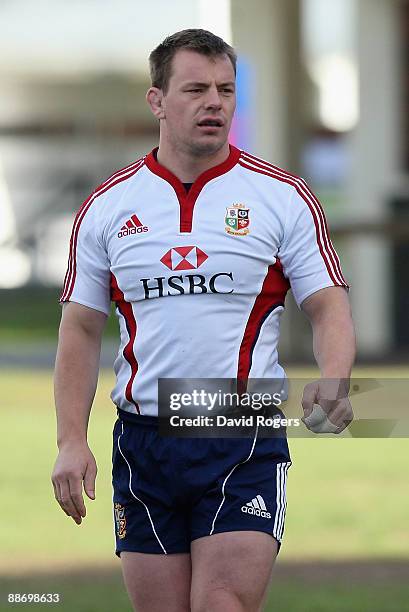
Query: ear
{"x":154,"y":97}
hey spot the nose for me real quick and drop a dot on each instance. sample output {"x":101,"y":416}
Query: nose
{"x":213,"y":100}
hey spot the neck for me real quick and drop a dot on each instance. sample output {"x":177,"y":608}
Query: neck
{"x":187,"y":167}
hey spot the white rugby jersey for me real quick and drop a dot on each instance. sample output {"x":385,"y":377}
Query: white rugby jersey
{"x":199,"y":278}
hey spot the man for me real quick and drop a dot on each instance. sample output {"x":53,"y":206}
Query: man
{"x":197,"y":244}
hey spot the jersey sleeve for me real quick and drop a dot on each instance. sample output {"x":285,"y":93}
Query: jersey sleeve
{"x":307,"y":255}
{"x":87,"y":280}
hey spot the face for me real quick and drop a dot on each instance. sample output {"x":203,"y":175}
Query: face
{"x":196,"y":111}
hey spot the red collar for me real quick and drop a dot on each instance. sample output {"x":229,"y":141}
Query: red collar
{"x":187,"y":200}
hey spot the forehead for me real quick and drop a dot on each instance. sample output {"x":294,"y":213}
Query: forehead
{"x":189,"y":65}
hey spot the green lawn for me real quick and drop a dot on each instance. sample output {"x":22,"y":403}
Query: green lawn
{"x":31,"y":314}
{"x":104,"y":592}
{"x":347,"y":500}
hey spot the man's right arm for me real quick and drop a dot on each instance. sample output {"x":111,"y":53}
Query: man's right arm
{"x":75,"y":382}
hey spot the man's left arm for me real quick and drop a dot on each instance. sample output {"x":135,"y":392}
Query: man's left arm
{"x":334,"y":348}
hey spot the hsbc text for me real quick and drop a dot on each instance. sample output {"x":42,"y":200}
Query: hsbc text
{"x":160,"y":286}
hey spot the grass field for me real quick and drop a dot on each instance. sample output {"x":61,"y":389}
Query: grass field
{"x":20,"y":324}
{"x":347,"y":504}
{"x":103,"y":591}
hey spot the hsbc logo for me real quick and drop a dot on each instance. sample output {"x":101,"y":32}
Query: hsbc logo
{"x":184,"y":258}
{"x":160,"y":286}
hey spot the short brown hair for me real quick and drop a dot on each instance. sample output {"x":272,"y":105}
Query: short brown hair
{"x":201,"y":41}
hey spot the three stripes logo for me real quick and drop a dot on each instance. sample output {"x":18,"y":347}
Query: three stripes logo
{"x":132,"y":226}
{"x":257,"y":507}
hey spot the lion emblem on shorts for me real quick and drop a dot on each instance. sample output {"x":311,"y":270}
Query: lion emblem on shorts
{"x":120,"y":520}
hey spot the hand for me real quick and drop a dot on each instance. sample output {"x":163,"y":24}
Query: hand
{"x":75,"y":464}
{"x":334,"y":412}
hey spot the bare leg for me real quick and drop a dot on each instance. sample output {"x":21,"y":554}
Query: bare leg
{"x":231,"y":571}
{"x":157,"y":582}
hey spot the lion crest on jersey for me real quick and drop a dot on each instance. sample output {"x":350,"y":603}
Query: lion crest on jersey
{"x":237,"y":220}
{"x":120,"y":520}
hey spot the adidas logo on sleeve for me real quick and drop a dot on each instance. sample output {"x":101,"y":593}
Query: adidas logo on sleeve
{"x":257,"y":507}
{"x":132,"y":226}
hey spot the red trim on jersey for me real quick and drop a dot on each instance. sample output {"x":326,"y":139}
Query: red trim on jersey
{"x":321,"y":213}
{"x":326,"y":248}
{"x":272,"y":294}
{"x":117,"y":177}
{"x":187,"y":201}
{"x":327,"y":252}
{"x":125,"y":308}
{"x":69,"y":267}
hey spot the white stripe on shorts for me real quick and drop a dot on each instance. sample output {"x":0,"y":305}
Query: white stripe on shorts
{"x":281,"y":501}
{"x":228,"y":476}
{"x":137,"y":498}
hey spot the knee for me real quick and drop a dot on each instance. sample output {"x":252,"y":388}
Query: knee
{"x":217,"y":599}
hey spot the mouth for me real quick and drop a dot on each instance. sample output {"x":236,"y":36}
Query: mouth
{"x":210,"y":123}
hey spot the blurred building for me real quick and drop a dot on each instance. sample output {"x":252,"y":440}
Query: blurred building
{"x":322,"y":91}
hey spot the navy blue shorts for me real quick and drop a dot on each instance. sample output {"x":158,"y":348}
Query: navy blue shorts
{"x":170,"y":491}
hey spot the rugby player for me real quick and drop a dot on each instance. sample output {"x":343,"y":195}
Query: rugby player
{"x":197,"y":244}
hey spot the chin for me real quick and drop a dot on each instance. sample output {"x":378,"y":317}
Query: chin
{"x":209,"y":147}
